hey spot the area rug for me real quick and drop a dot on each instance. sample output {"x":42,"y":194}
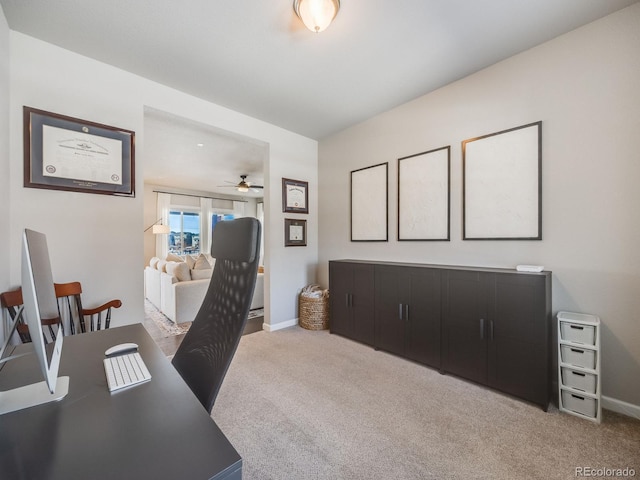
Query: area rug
{"x":163,"y":322}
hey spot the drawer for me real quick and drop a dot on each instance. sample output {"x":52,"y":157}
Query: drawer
{"x":580,"y":357}
{"x":587,"y":382}
{"x":577,"y":403}
{"x":576,"y":333}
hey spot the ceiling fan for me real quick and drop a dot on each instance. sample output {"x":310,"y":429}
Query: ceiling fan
{"x":243,"y":185}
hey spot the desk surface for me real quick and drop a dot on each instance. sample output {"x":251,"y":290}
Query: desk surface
{"x":154,"y":430}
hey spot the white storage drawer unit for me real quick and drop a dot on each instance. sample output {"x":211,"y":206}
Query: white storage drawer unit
{"x":579,"y":365}
{"x":579,"y":357}
{"x":583,"y":334}
{"x":574,"y":402}
{"x":584,"y":381}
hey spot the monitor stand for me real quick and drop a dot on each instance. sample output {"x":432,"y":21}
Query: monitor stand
{"x":32,"y":395}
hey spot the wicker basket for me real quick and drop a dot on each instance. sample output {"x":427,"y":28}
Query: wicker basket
{"x":314,"y":312}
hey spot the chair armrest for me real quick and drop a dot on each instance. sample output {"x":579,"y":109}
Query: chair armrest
{"x":110,"y":304}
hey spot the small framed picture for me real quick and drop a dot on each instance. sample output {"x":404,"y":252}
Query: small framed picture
{"x":295,"y":196}
{"x":295,"y":232}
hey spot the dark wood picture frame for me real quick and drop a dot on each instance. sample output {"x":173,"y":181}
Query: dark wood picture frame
{"x":502,"y":185}
{"x":295,"y":232}
{"x":424,"y":196}
{"x":295,"y":196}
{"x":66,"y":153}
{"x":370,"y":204}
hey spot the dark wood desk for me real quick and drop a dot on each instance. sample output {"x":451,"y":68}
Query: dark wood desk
{"x":155,"y":430}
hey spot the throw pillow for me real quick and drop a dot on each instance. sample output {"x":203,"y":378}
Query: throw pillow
{"x":154,"y":262}
{"x":190,"y":260}
{"x":180,"y":270}
{"x":201,"y":263}
{"x":172,"y":257}
{"x":161,"y":265}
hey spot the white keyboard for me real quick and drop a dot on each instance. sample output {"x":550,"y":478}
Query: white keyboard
{"x":125,"y":370}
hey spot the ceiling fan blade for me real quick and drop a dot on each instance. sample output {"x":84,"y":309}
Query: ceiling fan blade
{"x":255,"y":186}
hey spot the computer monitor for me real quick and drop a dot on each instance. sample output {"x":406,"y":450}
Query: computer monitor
{"x":39,"y":298}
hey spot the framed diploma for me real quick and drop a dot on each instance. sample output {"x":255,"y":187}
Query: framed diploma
{"x":295,"y":196}
{"x":295,"y":233}
{"x":65,"y":153}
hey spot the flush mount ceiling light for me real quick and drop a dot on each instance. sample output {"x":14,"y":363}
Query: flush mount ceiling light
{"x":316,"y":15}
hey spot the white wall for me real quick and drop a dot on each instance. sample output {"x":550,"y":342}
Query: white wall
{"x":4,"y":153}
{"x":584,"y":88}
{"x":98,"y":239}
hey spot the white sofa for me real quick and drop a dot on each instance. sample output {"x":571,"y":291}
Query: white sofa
{"x":172,"y":289}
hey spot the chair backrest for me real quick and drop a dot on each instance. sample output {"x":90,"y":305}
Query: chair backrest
{"x":203,"y":357}
{"x":70,"y":305}
{"x":11,"y":305}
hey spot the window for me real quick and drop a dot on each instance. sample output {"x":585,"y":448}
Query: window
{"x":220,"y":217}
{"x":185,"y":232}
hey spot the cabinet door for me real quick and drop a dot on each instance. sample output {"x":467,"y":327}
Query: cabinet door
{"x":340,"y":287}
{"x":392,"y":292}
{"x":423,"y":316}
{"x":362,"y":301}
{"x":464,"y":322}
{"x":519,"y":337}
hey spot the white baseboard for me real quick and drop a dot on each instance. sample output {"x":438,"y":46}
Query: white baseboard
{"x":280,"y":325}
{"x":619,"y":406}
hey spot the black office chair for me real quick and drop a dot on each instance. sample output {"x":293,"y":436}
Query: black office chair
{"x":203,"y":357}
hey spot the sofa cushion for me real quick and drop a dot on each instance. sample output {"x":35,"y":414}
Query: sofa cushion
{"x":180,"y":270}
{"x":201,"y":273}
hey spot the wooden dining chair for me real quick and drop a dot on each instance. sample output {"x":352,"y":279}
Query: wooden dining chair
{"x":70,"y":312}
{"x":12,"y":306}
{"x":70,"y":306}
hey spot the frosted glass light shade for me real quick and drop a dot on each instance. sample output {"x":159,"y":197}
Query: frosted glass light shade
{"x":316,"y":15}
{"x":161,"y":229}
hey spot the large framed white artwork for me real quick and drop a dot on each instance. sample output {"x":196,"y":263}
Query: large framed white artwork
{"x":370,"y":204}
{"x":502,"y":185}
{"x":423,"y":195}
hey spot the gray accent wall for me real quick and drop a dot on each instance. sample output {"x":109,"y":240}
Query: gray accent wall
{"x":583,"y":86}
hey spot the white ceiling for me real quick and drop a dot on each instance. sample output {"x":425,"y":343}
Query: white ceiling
{"x":255,"y":57}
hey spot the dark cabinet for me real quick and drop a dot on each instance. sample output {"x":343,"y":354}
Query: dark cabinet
{"x":464,"y":343}
{"x":491,"y":326}
{"x":407,"y":313}
{"x":351,"y":300}
{"x":496,"y":331}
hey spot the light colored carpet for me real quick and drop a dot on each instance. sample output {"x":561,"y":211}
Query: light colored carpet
{"x":301,"y":404}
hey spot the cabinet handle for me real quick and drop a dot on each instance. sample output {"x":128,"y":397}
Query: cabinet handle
{"x":482,"y":329}
{"x":491,"y":330}
{"x":400,"y":311}
{"x":578,"y":374}
{"x":346,"y":299}
{"x":406,"y":312}
{"x":577,"y":327}
{"x":577,"y":351}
